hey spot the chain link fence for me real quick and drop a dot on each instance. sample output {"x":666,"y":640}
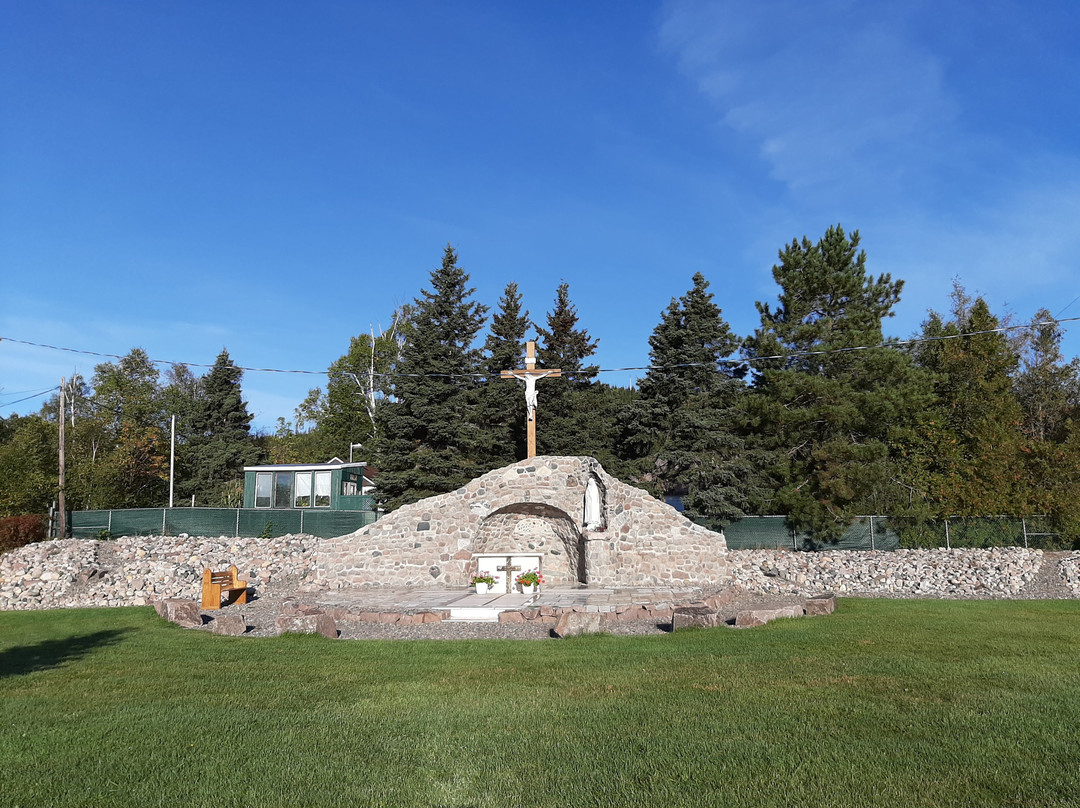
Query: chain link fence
{"x":892,"y":533}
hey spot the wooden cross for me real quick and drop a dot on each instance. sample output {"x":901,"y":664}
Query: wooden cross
{"x":509,"y":568}
{"x":530,"y":374}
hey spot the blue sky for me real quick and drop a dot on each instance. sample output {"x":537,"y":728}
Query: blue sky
{"x":274,"y":178}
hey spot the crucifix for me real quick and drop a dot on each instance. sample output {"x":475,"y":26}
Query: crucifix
{"x":509,"y":568}
{"x":529,"y":374}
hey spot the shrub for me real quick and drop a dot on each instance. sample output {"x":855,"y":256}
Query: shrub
{"x":15,"y":531}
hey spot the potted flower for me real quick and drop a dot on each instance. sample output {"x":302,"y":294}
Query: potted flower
{"x":482,"y":581}
{"x":529,"y":581}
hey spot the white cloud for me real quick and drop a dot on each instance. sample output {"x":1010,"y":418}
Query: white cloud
{"x":830,"y":97}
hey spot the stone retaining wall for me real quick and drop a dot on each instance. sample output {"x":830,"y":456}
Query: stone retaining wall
{"x":135,"y":570}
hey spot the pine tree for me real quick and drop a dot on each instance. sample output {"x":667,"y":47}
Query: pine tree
{"x":220,"y":443}
{"x":684,"y":429}
{"x":831,"y":411}
{"x":430,"y":439}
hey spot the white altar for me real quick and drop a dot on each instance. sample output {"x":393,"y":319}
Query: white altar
{"x":505,"y":567}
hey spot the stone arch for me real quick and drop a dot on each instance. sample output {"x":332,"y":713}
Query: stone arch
{"x":532,"y":527}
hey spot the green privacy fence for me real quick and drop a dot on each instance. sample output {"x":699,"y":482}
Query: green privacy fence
{"x":217,"y":522}
{"x":774,"y":532}
{"x":892,"y":533}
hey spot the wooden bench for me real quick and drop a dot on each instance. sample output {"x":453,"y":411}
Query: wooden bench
{"x":214,"y":583}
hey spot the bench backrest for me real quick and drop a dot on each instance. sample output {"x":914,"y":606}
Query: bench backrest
{"x":228,"y":576}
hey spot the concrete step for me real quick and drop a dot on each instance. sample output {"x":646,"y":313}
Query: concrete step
{"x":474,"y":614}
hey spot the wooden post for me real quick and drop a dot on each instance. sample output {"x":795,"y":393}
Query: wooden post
{"x":62,"y":530}
{"x":530,"y":374}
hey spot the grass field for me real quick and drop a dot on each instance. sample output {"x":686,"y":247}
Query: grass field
{"x":897,"y":703}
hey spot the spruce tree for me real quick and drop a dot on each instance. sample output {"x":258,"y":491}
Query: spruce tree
{"x":832,"y":411}
{"x":220,"y":443}
{"x":430,"y":438}
{"x":502,"y":403}
{"x":575,"y":417}
{"x":684,"y":431}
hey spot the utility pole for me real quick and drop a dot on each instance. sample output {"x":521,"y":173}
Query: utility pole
{"x":62,"y":533}
{"x":172,"y":459}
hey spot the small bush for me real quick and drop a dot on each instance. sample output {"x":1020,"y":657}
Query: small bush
{"x":15,"y":531}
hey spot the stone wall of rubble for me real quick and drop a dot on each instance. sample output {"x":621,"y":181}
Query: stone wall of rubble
{"x":966,"y":573}
{"x":136,"y":570}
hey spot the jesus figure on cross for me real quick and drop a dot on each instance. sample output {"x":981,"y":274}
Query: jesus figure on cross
{"x":529,"y":374}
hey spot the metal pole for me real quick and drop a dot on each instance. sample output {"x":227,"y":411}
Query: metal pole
{"x":872,"y":534}
{"x":947,"y":547}
{"x":237,"y":531}
{"x":172,"y":461}
{"x":1023,"y":524}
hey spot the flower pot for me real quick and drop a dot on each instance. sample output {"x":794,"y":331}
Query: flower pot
{"x":528,"y":589}
{"x":481,"y":589}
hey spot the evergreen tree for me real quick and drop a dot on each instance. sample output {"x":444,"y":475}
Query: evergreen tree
{"x":220,"y":442}
{"x":683,"y":430}
{"x":429,"y":439}
{"x":502,"y":403}
{"x":564,"y":345}
{"x":831,"y":412}
{"x":574,"y":417}
{"x":1047,"y":387}
{"x":967,"y":456}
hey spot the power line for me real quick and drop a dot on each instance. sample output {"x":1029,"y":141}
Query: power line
{"x":747,"y":360}
{"x":35,"y":395}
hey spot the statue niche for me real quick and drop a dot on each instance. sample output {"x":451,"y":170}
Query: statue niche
{"x":594,"y":518}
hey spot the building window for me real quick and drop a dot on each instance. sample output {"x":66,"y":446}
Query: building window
{"x":303,"y":490}
{"x":264,"y":483}
{"x":322,"y":489}
{"x":283,"y":489}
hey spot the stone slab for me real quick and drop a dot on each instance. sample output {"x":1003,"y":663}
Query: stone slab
{"x":749,"y":618}
{"x":820,"y":605}
{"x":182,"y":612}
{"x":701,"y":616}
{"x":306,"y":624}
{"x":232,"y":625}
{"x":571,"y":624}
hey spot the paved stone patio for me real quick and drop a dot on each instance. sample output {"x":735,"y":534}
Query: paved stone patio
{"x":581,"y":598}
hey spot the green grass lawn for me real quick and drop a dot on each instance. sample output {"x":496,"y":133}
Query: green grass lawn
{"x":892,"y":703}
